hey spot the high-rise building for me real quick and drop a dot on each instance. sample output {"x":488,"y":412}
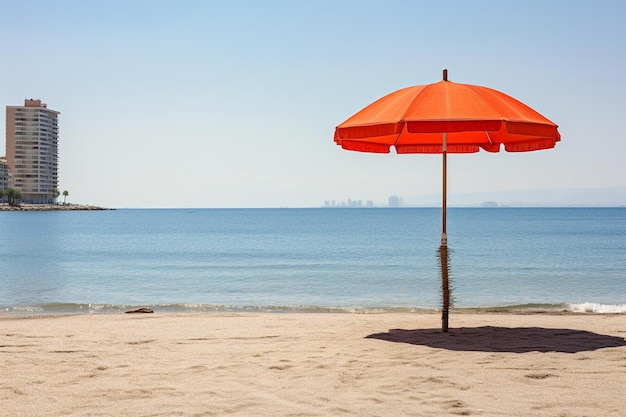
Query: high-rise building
{"x":395,"y":201}
{"x":32,"y":150}
{"x":4,"y":173}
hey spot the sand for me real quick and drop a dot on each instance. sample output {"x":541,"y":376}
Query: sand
{"x":313,"y":365}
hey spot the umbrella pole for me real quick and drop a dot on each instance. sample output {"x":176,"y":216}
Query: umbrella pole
{"x":445,"y":288}
{"x":444,"y":235}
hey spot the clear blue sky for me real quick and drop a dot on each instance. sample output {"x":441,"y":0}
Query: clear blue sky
{"x":234,"y":104}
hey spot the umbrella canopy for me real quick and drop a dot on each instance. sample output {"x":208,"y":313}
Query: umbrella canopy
{"x":446,"y":117}
{"x":413,"y":119}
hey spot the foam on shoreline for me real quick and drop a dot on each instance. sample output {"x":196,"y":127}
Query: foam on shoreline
{"x":184,"y":308}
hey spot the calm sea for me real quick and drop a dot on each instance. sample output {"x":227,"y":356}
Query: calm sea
{"x":204,"y":260}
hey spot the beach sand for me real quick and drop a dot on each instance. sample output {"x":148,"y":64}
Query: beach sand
{"x":293,"y":364}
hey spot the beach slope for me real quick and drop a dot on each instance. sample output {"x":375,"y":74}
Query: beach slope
{"x":313,"y":365}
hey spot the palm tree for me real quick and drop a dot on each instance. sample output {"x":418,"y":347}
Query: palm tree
{"x":1,"y":194}
{"x":65,"y":194}
{"x":10,"y":193}
{"x":56,"y":194}
{"x":13,"y":196}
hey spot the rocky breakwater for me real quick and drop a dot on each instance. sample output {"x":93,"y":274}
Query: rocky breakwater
{"x":49,"y":207}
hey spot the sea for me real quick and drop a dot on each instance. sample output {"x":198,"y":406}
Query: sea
{"x":352,"y":260}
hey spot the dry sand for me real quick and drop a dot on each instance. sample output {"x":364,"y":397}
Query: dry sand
{"x":313,"y":365}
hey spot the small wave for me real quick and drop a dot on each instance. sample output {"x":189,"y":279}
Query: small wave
{"x":63,"y":308}
{"x":94,"y":308}
{"x":210,"y":308}
{"x":598,"y":308}
{"x":174,"y":308}
{"x":533,"y":308}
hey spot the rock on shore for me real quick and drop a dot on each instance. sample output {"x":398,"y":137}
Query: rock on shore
{"x":49,"y":207}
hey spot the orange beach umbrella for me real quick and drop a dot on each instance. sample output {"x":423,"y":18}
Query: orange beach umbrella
{"x":446,"y":117}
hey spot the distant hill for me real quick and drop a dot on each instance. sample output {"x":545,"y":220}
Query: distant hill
{"x":584,"y":197}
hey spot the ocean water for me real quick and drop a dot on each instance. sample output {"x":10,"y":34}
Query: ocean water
{"x":320,"y":259}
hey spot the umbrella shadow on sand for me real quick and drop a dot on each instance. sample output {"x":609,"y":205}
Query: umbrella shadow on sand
{"x":504,"y":339}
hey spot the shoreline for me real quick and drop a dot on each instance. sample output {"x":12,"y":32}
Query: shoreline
{"x":240,"y":364}
{"x":50,"y":207}
{"x":87,"y":308}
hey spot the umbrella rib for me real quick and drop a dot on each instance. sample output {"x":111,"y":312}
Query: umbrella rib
{"x":395,"y":143}
{"x":484,"y":91}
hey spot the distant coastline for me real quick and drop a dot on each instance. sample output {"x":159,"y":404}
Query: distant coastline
{"x":50,"y":207}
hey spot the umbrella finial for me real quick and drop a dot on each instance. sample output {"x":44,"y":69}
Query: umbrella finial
{"x":445,"y":74}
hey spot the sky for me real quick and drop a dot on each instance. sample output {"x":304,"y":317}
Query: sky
{"x":234,"y":103}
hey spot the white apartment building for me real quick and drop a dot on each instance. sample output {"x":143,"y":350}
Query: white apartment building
{"x":4,"y":173}
{"x":32,"y":134}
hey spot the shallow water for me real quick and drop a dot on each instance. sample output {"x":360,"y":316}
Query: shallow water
{"x":311,"y":259}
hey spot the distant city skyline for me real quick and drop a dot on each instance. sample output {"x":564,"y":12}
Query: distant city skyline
{"x":590,"y":197}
